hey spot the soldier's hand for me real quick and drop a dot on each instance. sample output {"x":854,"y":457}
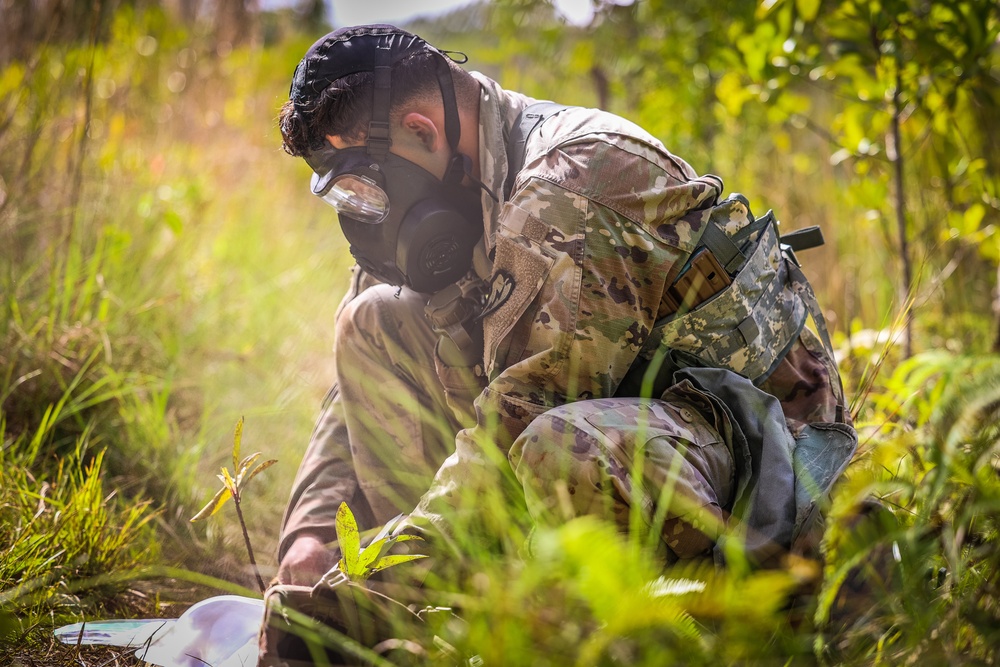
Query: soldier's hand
{"x":306,"y":560}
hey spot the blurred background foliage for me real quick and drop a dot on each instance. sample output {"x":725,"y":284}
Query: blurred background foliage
{"x":164,"y":272}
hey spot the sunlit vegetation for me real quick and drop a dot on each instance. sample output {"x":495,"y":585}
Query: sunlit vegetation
{"x":164,"y":271}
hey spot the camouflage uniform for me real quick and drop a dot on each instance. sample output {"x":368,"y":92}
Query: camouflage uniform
{"x":599,"y":222}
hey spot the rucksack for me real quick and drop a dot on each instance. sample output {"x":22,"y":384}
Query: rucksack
{"x":740,"y":301}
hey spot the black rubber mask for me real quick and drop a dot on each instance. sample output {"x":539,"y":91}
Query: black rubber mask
{"x":404,"y":225}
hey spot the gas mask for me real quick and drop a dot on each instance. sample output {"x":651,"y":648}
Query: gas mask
{"x":404,"y":225}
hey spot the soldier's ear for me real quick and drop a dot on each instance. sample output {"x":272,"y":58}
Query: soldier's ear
{"x":423,"y":130}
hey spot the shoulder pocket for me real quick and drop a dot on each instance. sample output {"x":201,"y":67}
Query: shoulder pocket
{"x":520,"y":267}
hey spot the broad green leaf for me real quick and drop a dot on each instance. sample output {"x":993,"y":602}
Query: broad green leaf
{"x":256,"y":471}
{"x":349,"y":539}
{"x":372,"y":552}
{"x":213,"y":506}
{"x":731,"y":93}
{"x":389,"y":561}
{"x":972,"y":217}
{"x":755,"y":53}
{"x":991,"y":250}
{"x":237,"y":440}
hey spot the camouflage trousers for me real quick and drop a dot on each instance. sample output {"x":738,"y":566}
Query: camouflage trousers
{"x":612,"y":456}
{"x":392,"y":419}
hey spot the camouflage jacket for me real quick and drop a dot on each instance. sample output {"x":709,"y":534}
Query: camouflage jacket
{"x":599,"y":221}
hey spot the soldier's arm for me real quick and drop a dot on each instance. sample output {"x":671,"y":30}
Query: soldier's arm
{"x":325,"y":478}
{"x":326,"y":475}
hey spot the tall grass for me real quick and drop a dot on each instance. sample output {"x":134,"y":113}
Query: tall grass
{"x":63,"y":527}
{"x":915,"y":581}
{"x":159,"y":278}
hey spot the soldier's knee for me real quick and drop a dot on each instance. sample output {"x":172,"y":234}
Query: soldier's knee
{"x":376,"y":316}
{"x":372,"y":308}
{"x":563,"y":468}
{"x":363,"y":313}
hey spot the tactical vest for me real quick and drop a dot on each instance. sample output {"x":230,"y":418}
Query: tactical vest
{"x":740,"y":301}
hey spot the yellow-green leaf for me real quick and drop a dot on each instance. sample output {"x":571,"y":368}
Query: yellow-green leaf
{"x":348,"y":539}
{"x":808,"y":9}
{"x":237,"y":439}
{"x":244,"y":464}
{"x":389,"y":526}
{"x":379,"y":547}
{"x":764,"y":8}
{"x":256,"y":471}
{"x":972,"y":217}
{"x":731,"y":93}
{"x":213,"y":506}
{"x":389,"y":561}
{"x":248,"y":461}
{"x":372,"y":552}
{"x":227,"y":479}
{"x":11,"y":78}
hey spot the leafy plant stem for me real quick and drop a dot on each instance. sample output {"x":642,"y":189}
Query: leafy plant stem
{"x":246,"y":540}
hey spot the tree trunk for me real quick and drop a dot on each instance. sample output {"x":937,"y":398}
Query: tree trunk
{"x":312,"y":15}
{"x":906,"y":285}
{"x":233,"y":22}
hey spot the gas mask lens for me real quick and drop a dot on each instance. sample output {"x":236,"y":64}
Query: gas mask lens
{"x":356,"y":197}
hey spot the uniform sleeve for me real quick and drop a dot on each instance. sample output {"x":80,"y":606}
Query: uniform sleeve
{"x":326,"y":475}
{"x":577,"y":285}
{"x":325,"y":478}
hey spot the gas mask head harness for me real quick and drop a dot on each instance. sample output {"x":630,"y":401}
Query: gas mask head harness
{"x":404,"y":225}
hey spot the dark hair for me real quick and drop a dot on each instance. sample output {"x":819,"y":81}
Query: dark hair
{"x":345,"y":106}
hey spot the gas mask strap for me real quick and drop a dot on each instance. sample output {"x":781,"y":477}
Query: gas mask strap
{"x":378,"y":129}
{"x":459,"y":167}
{"x":452,"y":124}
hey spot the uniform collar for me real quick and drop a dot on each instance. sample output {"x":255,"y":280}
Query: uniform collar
{"x":498,"y":109}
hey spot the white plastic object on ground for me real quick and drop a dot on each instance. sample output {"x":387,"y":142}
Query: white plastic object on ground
{"x":220,"y":631}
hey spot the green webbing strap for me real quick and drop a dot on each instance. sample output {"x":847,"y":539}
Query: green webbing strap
{"x":722,"y":246}
{"x":731,"y":257}
{"x":803,"y":239}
